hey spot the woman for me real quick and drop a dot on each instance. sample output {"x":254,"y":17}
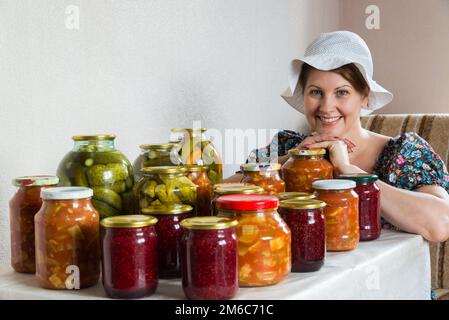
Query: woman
{"x":332,"y":85}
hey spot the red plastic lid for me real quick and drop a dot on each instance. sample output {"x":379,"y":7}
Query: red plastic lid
{"x":247,"y":202}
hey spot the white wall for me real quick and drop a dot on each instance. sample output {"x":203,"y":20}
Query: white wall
{"x":136,"y":68}
{"x":410,"y":51}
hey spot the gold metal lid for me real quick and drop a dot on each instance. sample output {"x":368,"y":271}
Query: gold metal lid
{"x":35,"y":181}
{"x":196,"y":167}
{"x":94,"y":137}
{"x":250,"y":189}
{"x":208,"y":223}
{"x":163,"y":169}
{"x":128,"y":221}
{"x":157,"y":146}
{"x":302,"y":204}
{"x":188,"y":129}
{"x":261,"y":167}
{"x":307,"y":152}
{"x":296,"y":195}
{"x":167,"y":210}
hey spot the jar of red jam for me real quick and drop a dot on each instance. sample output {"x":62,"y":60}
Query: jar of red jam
{"x":204,"y":191}
{"x":296,"y":196}
{"x":129,"y":248}
{"x":341,"y":213}
{"x":305,"y":218}
{"x":209,"y":258}
{"x":264,"y":239}
{"x":265,"y":175}
{"x":67,"y":239}
{"x":369,"y":204}
{"x":23,"y":206}
{"x":305,"y":166}
{"x":234,"y":188}
{"x":169,"y":237}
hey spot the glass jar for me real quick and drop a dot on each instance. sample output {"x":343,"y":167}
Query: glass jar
{"x":67,"y":239}
{"x":305,"y":218}
{"x":169,"y":237}
{"x":296,"y":196}
{"x":369,"y":204}
{"x":265,"y":175}
{"x":341,"y":213}
{"x":156,"y":155}
{"x":204,"y":192}
{"x":23,"y":206}
{"x":94,"y":162}
{"x":233,"y":188}
{"x":209,"y":258}
{"x":165,"y":186}
{"x":197,"y":149}
{"x":305,"y":166}
{"x":129,"y":251}
{"x":263,"y":238}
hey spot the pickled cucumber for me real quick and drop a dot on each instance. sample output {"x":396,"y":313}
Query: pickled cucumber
{"x":104,"y":209}
{"x":108,"y":196}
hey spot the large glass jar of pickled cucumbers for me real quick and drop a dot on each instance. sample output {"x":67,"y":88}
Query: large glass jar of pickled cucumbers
{"x":95,"y":162}
{"x":197,"y":149}
{"x":304,"y":167}
{"x":263,"y":238}
{"x":156,"y":155}
{"x":165,"y":186}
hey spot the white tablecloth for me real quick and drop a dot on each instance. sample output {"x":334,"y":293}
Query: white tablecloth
{"x":396,"y":266}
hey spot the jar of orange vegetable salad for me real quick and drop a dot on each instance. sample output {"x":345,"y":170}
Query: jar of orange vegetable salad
{"x":341,"y":213}
{"x":265,"y":175}
{"x":263,"y":238}
{"x":67,"y":239}
{"x":305,"y":166}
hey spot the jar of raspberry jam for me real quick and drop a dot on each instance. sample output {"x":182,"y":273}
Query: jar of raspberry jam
{"x":23,"y":206}
{"x":209,"y":258}
{"x":341,"y":213}
{"x":296,"y":196}
{"x":129,"y":248}
{"x":169,"y":237}
{"x":305,"y":218}
{"x":369,"y":204}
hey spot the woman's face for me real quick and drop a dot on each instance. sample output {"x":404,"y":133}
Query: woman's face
{"x":332,"y":105}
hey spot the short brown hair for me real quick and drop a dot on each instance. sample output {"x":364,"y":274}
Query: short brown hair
{"x":349,"y":71}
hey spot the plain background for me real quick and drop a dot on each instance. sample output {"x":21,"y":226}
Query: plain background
{"x":137,"y":68}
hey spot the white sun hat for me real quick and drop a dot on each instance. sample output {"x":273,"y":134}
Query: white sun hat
{"x":332,"y":50}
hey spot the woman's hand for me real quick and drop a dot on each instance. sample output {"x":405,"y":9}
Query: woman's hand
{"x":338,"y":148}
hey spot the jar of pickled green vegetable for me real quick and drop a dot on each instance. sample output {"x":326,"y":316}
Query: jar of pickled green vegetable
{"x":165,"y":186}
{"x":156,"y":155}
{"x":196,"y":148}
{"x":95,"y":162}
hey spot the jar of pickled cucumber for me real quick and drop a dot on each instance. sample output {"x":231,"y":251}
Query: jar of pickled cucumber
{"x":156,"y":155}
{"x":303,"y":167}
{"x":341,"y":213}
{"x":263,"y":238}
{"x":95,"y":162}
{"x":265,"y":175}
{"x":165,"y":186}
{"x":196,"y":148}
{"x":198,"y":175}
{"x":233,"y":188}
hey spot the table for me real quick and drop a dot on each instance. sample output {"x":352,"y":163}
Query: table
{"x":395,"y":266}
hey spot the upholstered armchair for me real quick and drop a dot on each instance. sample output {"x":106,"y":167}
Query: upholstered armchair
{"x":435,"y":129}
